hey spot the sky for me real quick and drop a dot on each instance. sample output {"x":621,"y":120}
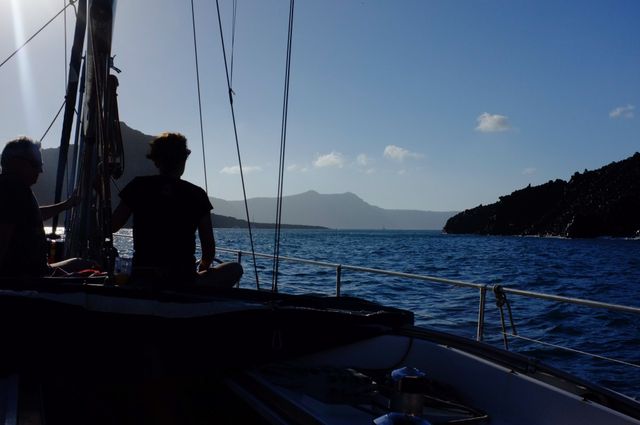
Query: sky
{"x":410,"y":104}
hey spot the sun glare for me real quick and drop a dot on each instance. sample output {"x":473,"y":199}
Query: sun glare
{"x":24,"y":67}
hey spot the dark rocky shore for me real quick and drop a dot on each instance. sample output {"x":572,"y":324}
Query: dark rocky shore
{"x":602,"y":202}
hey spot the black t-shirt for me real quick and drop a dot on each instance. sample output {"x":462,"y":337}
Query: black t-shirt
{"x":166,"y":212}
{"x":27,"y":252}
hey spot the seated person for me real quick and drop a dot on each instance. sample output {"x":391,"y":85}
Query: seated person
{"x":167,"y":211}
{"x":23,"y":245}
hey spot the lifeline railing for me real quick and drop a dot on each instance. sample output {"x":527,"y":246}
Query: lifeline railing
{"x":498,"y":290}
{"x":481,"y":288}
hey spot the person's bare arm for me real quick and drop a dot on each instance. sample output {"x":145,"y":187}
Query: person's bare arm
{"x":48,"y":211}
{"x":207,"y":242}
{"x":120,"y":216}
{"x":6,"y":231}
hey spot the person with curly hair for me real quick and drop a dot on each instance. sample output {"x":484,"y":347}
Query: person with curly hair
{"x":167,"y":211}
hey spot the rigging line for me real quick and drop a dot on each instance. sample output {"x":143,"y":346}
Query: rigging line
{"x":53,"y":121}
{"x":573,"y":350}
{"x":64,"y":27}
{"x":195,"y":49}
{"x":235,"y":132}
{"x":233,"y":40}
{"x":283,"y":140}
{"x":71,"y":2}
{"x":113,"y":181}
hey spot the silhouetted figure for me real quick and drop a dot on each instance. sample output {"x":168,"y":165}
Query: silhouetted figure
{"x":167,"y":211}
{"x":23,"y":245}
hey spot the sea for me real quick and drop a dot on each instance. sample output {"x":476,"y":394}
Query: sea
{"x":596,"y":344}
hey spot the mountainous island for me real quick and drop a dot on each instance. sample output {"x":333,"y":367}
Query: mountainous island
{"x":336,"y":211}
{"x":306,"y":210}
{"x":602,"y":202}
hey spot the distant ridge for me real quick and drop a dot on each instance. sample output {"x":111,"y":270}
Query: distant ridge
{"x":336,"y":211}
{"x":306,"y":210}
{"x":602,"y":202}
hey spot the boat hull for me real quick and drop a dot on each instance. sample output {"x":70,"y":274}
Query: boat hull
{"x":81,"y":352}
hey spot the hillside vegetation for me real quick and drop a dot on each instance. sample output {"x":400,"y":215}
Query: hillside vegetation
{"x":602,"y":202}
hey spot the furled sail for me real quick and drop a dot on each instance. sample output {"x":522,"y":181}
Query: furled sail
{"x":100,"y":151}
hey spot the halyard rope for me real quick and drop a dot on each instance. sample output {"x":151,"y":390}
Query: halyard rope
{"x":195,"y":49}
{"x":235,"y":132}
{"x":283,"y":142}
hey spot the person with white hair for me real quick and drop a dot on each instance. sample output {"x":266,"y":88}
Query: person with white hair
{"x":23,"y":245}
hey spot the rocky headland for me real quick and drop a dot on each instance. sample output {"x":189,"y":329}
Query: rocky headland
{"x":602,"y":202}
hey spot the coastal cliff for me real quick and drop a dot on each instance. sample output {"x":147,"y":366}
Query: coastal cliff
{"x":602,"y":202}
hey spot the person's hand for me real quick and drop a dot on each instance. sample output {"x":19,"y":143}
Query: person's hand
{"x":73,"y":200}
{"x":202,"y":267}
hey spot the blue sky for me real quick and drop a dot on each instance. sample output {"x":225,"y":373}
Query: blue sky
{"x":433,"y":105}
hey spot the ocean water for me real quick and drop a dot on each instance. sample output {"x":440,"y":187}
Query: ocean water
{"x":606,"y":270}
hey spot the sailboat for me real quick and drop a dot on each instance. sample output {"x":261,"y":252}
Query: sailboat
{"x":85,"y":350}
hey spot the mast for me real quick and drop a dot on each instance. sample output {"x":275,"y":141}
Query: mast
{"x":90,"y":227}
{"x":70,"y":100}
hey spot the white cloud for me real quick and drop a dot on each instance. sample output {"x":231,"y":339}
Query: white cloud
{"x":296,"y":168}
{"x":622,"y":112}
{"x":363,"y":160}
{"x":491,"y":123}
{"x":399,"y":154}
{"x":529,"y":171}
{"x":234,"y":169}
{"x":333,"y":159}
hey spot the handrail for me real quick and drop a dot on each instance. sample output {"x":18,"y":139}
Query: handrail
{"x":459,"y":283}
{"x":571,"y":300}
{"x":482,"y":288}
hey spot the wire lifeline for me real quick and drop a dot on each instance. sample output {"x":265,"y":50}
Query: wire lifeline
{"x":195,"y":49}
{"x":71,"y":2}
{"x":574,"y":350}
{"x":283,"y":142}
{"x":235,"y":132}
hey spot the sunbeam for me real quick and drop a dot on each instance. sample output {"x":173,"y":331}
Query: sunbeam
{"x":25,"y":73}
